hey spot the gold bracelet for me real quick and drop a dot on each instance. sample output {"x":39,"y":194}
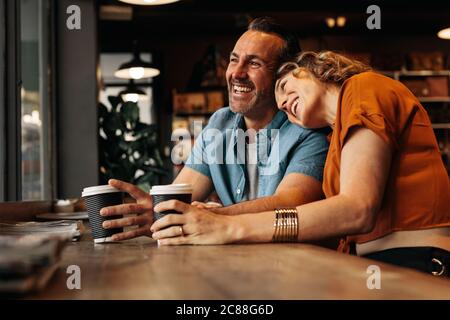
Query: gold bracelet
{"x":286,"y":225}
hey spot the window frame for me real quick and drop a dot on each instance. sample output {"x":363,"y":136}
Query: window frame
{"x":11,"y":104}
{"x":2,"y":99}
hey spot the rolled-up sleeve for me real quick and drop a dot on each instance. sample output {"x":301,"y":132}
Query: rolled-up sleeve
{"x":309,"y":156}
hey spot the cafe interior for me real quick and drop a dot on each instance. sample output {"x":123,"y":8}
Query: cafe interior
{"x":92,"y":90}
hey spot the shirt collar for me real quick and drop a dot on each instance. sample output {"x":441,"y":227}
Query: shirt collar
{"x":278,"y":120}
{"x":264,"y":135}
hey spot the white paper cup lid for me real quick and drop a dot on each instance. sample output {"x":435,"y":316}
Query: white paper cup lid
{"x":182,"y":188}
{"x":91,"y":191}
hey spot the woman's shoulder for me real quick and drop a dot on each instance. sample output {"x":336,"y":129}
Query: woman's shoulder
{"x":373,"y":79}
{"x":375,"y":87}
{"x":377,"y":102}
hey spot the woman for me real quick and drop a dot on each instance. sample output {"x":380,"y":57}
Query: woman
{"x":386,"y":188}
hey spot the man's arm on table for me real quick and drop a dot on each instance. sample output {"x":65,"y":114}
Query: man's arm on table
{"x":202,"y":186}
{"x":301,"y":183}
{"x":293,"y":190}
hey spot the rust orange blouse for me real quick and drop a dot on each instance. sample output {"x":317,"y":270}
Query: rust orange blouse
{"x":417,"y":193}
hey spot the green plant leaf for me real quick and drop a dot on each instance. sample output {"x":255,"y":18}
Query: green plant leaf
{"x":130,"y":113}
{"x":112,"y":123}
{"x":114,"y":101}
{"x":102,"y":112}
{"x":157,"y":170}
{"x":114,"y":147}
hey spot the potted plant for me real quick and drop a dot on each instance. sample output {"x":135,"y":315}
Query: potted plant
{"x":128,"y":148}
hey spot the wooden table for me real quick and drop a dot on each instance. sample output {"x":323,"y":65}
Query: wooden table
{"x":139,"y":269}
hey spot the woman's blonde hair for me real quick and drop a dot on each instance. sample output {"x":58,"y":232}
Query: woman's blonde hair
{"x":326,"y":66}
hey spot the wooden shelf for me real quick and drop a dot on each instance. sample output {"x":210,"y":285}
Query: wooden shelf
{"x":440,"y":125}
{"x":412,"y":73}
{"x":425,"y":73}
{"x":434,"y":99}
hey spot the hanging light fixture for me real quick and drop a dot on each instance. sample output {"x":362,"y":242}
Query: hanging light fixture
{"x":136,"y":69}
{"x":149,"y":2}
{"x":132,"y":93}
{"x":331,"y":22}
{"x":340,"y":21}
{"x":444,"y":34}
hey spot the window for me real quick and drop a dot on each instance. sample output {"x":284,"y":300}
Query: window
{"x":25,"y":103}
{"x":34,"y":55}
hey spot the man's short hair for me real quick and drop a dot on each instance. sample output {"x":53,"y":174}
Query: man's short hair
{"x":270,"y":26}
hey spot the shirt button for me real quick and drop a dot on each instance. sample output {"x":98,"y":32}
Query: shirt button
{"x":238,"y":191}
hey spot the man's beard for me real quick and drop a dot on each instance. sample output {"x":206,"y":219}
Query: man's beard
{"x":258,"y":102}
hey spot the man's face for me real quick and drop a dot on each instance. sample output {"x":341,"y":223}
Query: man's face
{"x":250,"y":72}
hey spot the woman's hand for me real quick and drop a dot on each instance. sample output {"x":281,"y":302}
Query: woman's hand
{"x":193,"y":226}
{"x":141,"y":211}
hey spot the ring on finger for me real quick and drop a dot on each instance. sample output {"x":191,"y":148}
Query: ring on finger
{"x":181,"y":231}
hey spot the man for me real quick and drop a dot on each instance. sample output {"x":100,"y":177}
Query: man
{"x":292,"y":173}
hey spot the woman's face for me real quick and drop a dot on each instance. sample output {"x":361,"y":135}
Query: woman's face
{"x":301,"y":97}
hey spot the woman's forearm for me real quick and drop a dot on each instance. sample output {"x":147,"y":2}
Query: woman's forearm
{"x":335,"y":216}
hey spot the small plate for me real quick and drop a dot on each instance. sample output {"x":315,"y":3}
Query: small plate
{"x":82,"y":215}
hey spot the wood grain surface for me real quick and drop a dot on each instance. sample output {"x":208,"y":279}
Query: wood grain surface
{"x":139,"y":269}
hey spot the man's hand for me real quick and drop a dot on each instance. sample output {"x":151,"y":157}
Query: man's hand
{"x":142,"y":212}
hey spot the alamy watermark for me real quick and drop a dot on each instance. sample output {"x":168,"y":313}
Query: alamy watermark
{"x":73,"y":21}
{"x":231,"y":146}
{"x":374,"y":280}
{"x":374,"y":20}
{"x":74,"y":280}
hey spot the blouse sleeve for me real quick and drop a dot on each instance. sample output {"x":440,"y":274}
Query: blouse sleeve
{"x":372,"y":104}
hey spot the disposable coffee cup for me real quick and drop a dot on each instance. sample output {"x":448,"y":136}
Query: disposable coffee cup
{"x":181,"y":192}
{"x":96,"y":198}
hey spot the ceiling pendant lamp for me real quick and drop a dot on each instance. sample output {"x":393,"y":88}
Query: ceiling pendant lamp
{"x":149,"y":2}
{"x":132,"y":93}
{"x":444,"y":34}
{"x":136,"y":69}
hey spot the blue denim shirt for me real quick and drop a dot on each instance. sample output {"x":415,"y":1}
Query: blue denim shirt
{"x":282,"y":148}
